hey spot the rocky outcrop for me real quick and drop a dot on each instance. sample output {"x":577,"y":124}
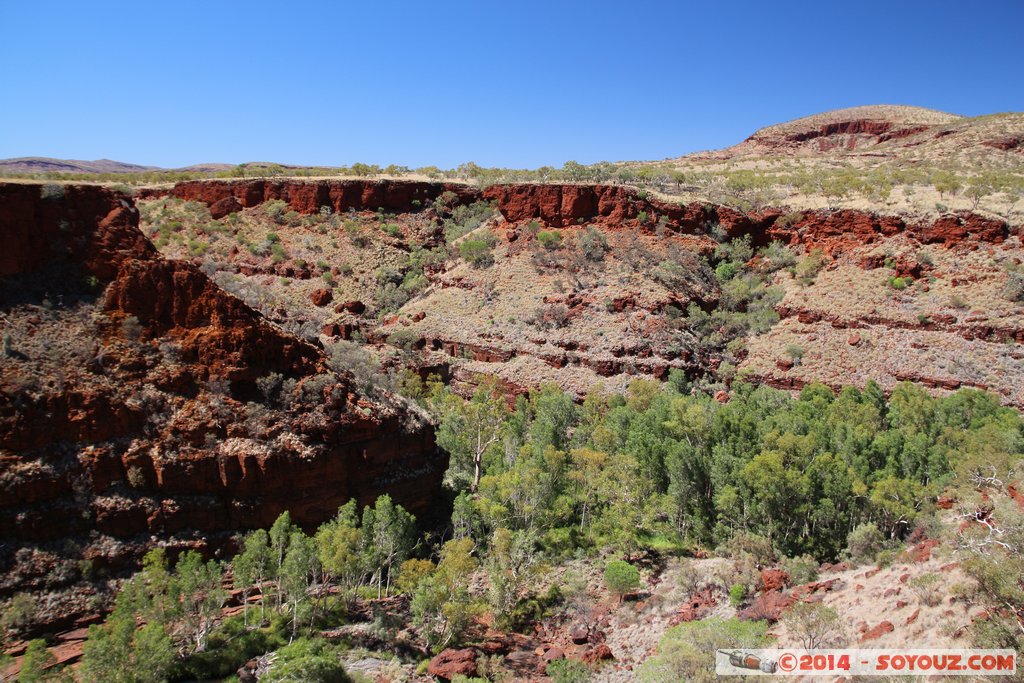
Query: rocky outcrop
{"x":451,"y":663}
{"x":196,"y":418}
{"x":832,"y":231}
{"x":877,"y":631}
{"x":85,"y":227}
{"x":308,"y":197}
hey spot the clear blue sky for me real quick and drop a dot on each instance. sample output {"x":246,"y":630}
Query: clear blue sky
{"x":519,"y":84}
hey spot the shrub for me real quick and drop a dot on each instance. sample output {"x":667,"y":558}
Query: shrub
{"x":445,"y":203}
{"x":593,"y":244}
{"x":17,"y":613}
{"x":690,"y":579}
{"x":477,"y":252}
{"x":725,"y":271}
{"x":809,"y":266}
{"x":737,"y":594}
{"x":568,"y":671}
{"x":778,"y":256}
{"x":814,"y":624}
{"x":757,"y":547}
{"x":550,"y":316}
{"x":465,"y":219}
{"x":51,"y":191}
{"x":411,"y":573}
{"x":687,"y":652}
{"x":403,"y":338}
{"x":801,"y":569}
{"x":621,"y":578}
{"x":864,"y":543}
{"x":1014,"y":289}
{"x":899,"y":283}
{"x":928,"y":588}
{"x":275,"y":210}
{"x":550,"y":239}
{"x":795,"y":353}
{"x":36,"y":661}
{"x":314,"y":661}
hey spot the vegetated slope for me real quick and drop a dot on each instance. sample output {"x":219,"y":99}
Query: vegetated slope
{"x":591,"y":286}
{"x":140,"y":403}
{"x":891,"y":159}
{"x":842,"y":130}
{"x":893,"y":132}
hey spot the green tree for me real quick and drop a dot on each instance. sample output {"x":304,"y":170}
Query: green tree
{"x":251,"y":568}
{"x":279,"y":536}
{"x":339,"y":547}
{"x":477,"y":252}
{"x":307,"y":661}
{"x":945,"y":181}
{"x":442,"y":606}
{"x":554,"y":415}
{"x":814,"y":625}
{"x":388,"y":539}
{"x":621,"y":578}
{"x":120,"y":652}
{"x":510,"y":565}
{"x":36,"y":662}
{"x":469,"y":430}
{"x":299,"y":570}
{"x":196,"y":589}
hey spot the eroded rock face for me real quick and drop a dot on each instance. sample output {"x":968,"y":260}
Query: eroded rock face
{"x":90,"y":227}
{"x":188,"y":418}
{"x":831,"y":231}
{"x":307,"y":197}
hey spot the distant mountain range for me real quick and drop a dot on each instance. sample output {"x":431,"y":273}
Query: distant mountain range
{"x":50,"y":165}
{"x":883,"y":133}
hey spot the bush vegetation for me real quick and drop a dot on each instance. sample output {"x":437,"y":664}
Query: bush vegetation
{"x":762,"y":477}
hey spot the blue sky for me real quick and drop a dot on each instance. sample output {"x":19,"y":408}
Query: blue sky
{"x":519,"y":84}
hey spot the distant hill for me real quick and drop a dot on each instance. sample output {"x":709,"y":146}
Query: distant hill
{"x":50,"y":165}
{"x":884,"y":131}
{"x":41,"y":165}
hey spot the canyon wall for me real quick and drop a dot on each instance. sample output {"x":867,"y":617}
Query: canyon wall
{"x":560,"y":205}
{"x":160,"y":432}
{"x":614,"y":205}
{"x":308,"y":197}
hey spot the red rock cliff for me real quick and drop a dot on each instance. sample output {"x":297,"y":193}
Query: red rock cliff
{"x":307,"y":196}
{"x":163,"y":434}
{"x":561,"y":205}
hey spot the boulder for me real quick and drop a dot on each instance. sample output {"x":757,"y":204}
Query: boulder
{"x":579,"y":634}
{"x":774,"y":579}
{"x":321,"y":297}
{"x":878,"y":631}
{"x":451,"y":663}
{"x":600,"y":653}
{"x":552,"y":654}
{"x":223,"y":207}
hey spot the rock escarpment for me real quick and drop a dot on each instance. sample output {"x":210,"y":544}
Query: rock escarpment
{"x":140,"y":403}
{"x":309,"y":197}
{"x":613,"y":205}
